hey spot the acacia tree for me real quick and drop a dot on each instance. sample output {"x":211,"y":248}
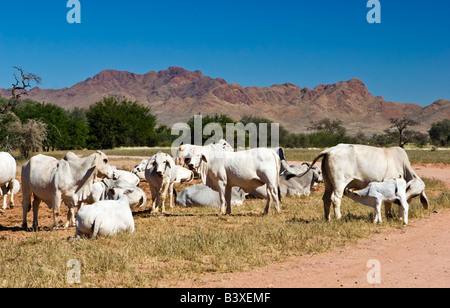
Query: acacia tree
{"x":402,"y":135}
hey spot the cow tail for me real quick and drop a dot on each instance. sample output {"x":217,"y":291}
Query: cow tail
{"x":279,"y":193}
{"x":323,"y":154}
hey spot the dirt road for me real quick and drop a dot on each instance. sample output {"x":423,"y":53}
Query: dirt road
{"x":417,"y":256}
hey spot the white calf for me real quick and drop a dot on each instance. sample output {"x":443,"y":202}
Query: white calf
{"x":377,"y":192}
{"x":105,"y":218}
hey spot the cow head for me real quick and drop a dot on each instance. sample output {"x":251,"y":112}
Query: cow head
{"x":102,"y":166}
{"x":161,"y":162}
{"x":195,"y":158}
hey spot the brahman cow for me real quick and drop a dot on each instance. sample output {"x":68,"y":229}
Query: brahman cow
{"x":355,"y":166}
{"x":8,"y":182}
{"x":376,"y":193}
{"x":105,"y":218}
{"x":187,"y":150}
{"x":68,"y":180}
{"x":99,"y":192}
{"x":161,"y":174}
{"x":222,"y":170}
{"x":202,"y":195}
{"x":139,"y":170}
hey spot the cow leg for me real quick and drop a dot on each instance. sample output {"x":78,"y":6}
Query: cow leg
{"x":5,"y":199}
{"x":163,"y":194}
{"x":327,"y":203}
{"x":222,"y":197}
{"x":403,"y":210}
{"x":377,"y":218}
{"x":336,"y":197}
{"x":36,"y":202}
{"x":26,"y":206}
{"x":272,"y":195}
{"x":171,"y":195}
{"x":70,"y":218}
{"x":228,"y":191}
{"x":56,"y":204}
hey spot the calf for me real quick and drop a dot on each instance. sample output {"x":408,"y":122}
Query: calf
{"x":100,"y":191}
{"x":202,"y":195}
{"x":8,"y":182}
{"x":376,"y":192}
{"x":105,"y":218}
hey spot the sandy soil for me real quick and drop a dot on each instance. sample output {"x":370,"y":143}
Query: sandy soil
{"x":415,"y":257}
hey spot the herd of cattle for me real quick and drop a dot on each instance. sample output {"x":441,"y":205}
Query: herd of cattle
{"x":368,"y":175}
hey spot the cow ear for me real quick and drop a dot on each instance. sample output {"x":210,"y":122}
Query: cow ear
{"x":170,"y":162}
{"x":204,"y":158}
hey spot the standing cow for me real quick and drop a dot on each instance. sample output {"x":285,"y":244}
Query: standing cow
{"x":221,"y":170}
{"x":8,"y":182}
{"x":355,"y":166}
{"x":68,"y":180}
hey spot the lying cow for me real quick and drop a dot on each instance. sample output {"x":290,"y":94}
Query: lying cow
{"x":294,"y":187}
{"x":68,"y":180}
{"x":105,"y":218}
{"x":139,"y":170}
{"x":392,"y":191}
{"x":126,"y":176}
{"x":161,"y":174}
{"x":222,"y":170}
{"x":99,"y":192}
{"x":354,"y":166}
{"x":202,"y":195}
{"x":8,"y":182}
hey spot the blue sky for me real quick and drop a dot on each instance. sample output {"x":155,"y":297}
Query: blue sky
{"x":406,"y":58}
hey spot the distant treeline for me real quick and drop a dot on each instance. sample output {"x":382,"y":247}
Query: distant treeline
{"x":32,"y":126}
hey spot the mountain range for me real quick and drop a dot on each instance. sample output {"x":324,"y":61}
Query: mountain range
{"x":176,"y":94}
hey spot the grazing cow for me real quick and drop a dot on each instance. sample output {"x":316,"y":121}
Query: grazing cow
{"x":161,"y":174}
{"x":188,"y":150}
{"x":378,"y":192}
{"x":99,"y":192}
{"x":221,"y":170}
{"x":355,"y":166}
{"x":296,"y":186}
{"x":68,"y":180}
{"x":202,"y":195}
{"x":8,"y":182}
{"x":139,"y":170}
{"x":105,"y":218}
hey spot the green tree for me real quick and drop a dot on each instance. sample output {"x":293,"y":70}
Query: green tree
{"x":115,"y":123}
{"x":440,"y":133}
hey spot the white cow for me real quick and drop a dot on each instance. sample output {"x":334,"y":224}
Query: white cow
{"x":105,"y":218}
{"x":139,"y":170}
{"x":187,"y":150}
{"x":126,"y":176}
{"x":161,"y":174}
{"x":222,"y":170}
{"x":294,"y":187}
{"x":202,"y":195}
{"x":355,"y":166}
{"x":8,"y":182}
{"x":376,"y":193}
{"x":99,"y":191}
{"x":68,"y":180}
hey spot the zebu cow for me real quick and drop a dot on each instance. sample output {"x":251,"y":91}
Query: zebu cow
{"x":161,"y":174}
{"x":8,"y":182}
{"x":139,"y":170}
{"x":202,"y":195}
{"x":99,"y":192}
{"x":221,"y":170}
{"x":187,"y":150}
{"x":105,"y":218}
{"x":68,"y":180}
{"x":355,"y":166}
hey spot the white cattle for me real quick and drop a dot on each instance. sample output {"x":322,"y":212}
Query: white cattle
{"x":294,"y":187}
{"x":376,"y":193}
{"x":222,"y":170}
{"x":202,"y":195}
{"x":8,"y":183}
{"x":126,"y":176}
{"x":105,"y":218}
{"x":139,"y":170}
{"x":161,"y":174}
{"x":355,"y":166}
{"x":188,"y":150}
{"x":100,"y":191}
{"x":68,"y":180}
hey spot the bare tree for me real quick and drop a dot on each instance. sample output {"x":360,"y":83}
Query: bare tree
{"x":19,"y":87}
